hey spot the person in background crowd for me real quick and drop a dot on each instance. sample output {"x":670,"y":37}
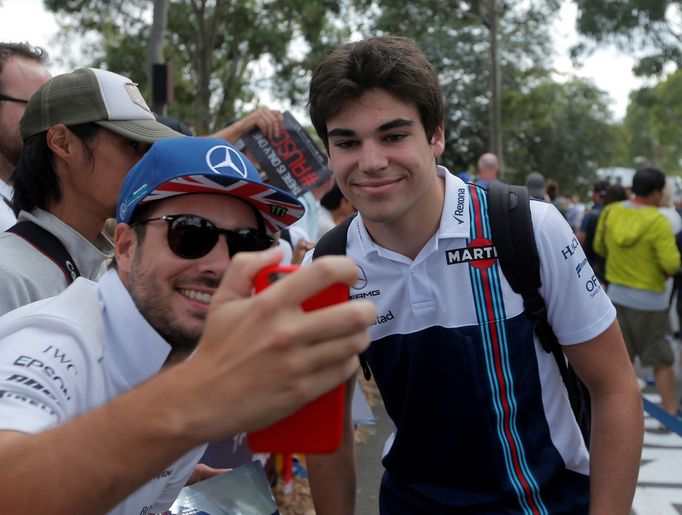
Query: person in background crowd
{"x":667,"y":208}
{"x":177,"y":125}
{"x":488,"y":169}
{"x":615,"y":193}
{"x":468,"y":439}
{"x":336,"y":205}
{"x":82,"y":131}
{"x":552,"y":189}
{"x":585,"y":233}
{"x":22,"y":72}
{"x":122,"y":381}
{"x":640,"y":251}
{"x":535,"y":184}
{"x":268,"y":121}
{"x":674,"y":283}
{"x":575,"y":212}
{"x":562,"y":203}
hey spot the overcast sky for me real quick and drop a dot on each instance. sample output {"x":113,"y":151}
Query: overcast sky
{"x":610,"y":70}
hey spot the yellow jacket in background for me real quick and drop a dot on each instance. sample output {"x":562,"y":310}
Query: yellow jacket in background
{"x":638,"y":244}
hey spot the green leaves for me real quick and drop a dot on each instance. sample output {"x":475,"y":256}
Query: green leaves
{"x":561,"y":131}
{"x":654,"y":123}
{"x":650,"y":26}
{"x":218,"y":48}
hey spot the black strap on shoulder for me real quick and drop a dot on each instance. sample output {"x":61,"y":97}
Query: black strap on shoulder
{"x":512,"y":231}
{"x":49,"y":245}
{"x":285,"y":234}
{"x":333,"y":242}
{"x":512,"y":228}
{"x":8,"y":202}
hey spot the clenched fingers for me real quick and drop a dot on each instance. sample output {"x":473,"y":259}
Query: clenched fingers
{"x":237,"y":282}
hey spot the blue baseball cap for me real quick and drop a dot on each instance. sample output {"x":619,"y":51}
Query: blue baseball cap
{"x":177,"y":166}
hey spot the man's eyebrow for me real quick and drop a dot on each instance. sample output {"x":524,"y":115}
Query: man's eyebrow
{"x":392,"y":124}
{"x":341,"y":133}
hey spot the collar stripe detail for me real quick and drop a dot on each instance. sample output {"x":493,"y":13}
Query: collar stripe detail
{"x":491,"y":321}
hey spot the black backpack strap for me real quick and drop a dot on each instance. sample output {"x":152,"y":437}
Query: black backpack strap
{"x":49,"y":245}
{"x":285,"y":234}
{"x":333,"y":243}
{"x":512,"y":231}
{"x":8,"y":202}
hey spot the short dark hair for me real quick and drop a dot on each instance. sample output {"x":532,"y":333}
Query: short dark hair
{"x":34,"y":53}
{"x":332,"y":199}
{"x":35,"y":181}
{"x":174,"y":123}
{"x":614,"y":193}
{"x":393,"y":64}
{"x":552,"y":189}
{"x":600,"y":187}
{"x":647,"y":181}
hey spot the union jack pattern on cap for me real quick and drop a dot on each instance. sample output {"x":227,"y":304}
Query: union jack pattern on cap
{"x":179,"y":166}
{"x":276,"y":207}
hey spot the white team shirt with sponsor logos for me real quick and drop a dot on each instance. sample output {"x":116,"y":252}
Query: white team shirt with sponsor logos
{"x":434,"y":290}
{"x":67,"y":355}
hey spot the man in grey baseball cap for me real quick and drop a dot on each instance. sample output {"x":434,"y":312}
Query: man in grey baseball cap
{"x":83,"y":131}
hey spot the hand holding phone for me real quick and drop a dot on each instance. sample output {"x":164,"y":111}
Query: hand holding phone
{"x":318,"y":426}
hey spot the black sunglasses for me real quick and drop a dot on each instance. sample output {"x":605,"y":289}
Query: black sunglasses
{"x":5,"y":98}
{"x":192,"y":237}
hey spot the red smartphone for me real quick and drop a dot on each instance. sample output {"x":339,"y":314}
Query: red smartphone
{"x":317,"y":427}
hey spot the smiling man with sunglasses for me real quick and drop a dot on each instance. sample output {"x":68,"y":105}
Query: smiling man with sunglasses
{"x":82,"y":390}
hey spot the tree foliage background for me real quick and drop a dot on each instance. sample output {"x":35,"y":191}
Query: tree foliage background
{"x":229,"y":55}
{"x":214,"y":46}
{"x":652,"y":28}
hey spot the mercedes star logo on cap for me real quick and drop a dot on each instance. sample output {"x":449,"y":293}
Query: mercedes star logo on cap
{"x":222,"y":157}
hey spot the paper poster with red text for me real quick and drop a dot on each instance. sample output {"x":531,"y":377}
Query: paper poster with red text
{"x":292,"y":160}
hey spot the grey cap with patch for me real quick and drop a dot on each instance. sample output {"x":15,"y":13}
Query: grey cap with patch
{"x":91,"y":95}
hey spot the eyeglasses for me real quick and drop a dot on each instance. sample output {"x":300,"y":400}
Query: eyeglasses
{"x":193,"y":237}
{"x":5,"y":98}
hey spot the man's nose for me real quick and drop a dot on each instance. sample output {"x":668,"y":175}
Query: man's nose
{"x":372,"y":157}
{"x":218,"y":259}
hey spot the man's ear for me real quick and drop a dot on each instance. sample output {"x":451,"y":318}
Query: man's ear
{"x":438,"y":140}
{"x":125,"y":246}
{"x":60,"y":140}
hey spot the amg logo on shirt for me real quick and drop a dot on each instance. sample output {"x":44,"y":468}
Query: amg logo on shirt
{"x":364,"y":295}
{"x":480,"y":253}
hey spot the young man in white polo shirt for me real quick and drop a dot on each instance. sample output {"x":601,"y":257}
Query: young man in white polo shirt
{"x":90,"y":421}
{"x":83,"y":131}
{"x":483,"y":421}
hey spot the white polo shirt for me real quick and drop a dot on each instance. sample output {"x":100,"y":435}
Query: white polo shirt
{"x":482,"y":416}
{"x":67,"y":355}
